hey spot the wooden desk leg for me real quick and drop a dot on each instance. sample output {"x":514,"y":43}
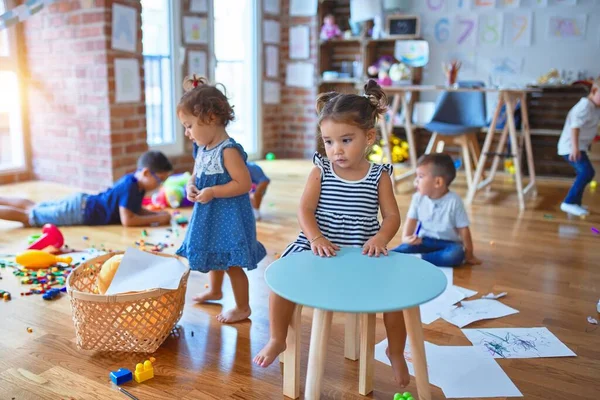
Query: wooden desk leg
{"x":410,"y":138}
{"x":512,"y":131}
{"x":412,"y":318}
{"x":317,"y":353}
{"x":499,"y":149}
{"x":351,"y":336}
{"x":291,"y":357}
{"x":367,"y":354}
{"x":487,"y":144}
{"x":527,"y":135}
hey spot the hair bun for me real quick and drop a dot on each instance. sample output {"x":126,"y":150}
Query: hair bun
{"x":193,"y":81}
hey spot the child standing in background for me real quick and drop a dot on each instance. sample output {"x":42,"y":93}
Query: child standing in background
{"x":437,"y":225}
{"x":221,"y":236}
{"x":581,"y":127}
{"x":340,"y":206}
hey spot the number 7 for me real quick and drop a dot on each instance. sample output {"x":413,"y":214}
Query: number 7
{"x":469,"y":25}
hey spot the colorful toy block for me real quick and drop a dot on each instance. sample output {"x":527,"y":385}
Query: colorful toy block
{"x":123,"y":375}
{"x":143,"y":372}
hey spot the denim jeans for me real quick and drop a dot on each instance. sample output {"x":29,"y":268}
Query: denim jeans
{"x":585,"y":174}
{"x":443,"y":253}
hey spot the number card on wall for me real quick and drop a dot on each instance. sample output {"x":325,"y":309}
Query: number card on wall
{"x":490,"y":29}
{"x":441,"y":30}
{"x":510,"y":3}
{"x":436,"y":5}
{"x":465,"y":29}
{"x":567,"y":27}
{"x":517,"y":29}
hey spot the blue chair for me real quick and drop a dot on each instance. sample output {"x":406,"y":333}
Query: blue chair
{"x":457,"y":119}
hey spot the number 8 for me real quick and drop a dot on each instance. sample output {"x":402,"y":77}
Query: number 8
{"x":491,"y":28}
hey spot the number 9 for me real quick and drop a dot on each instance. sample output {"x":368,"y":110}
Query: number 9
{"x":442,"y":30}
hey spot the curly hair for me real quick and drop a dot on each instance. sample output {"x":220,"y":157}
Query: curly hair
{"x":205,"y":101}
{"x":359,"y":110}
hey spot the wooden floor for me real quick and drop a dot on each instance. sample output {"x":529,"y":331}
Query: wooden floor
{"x":548,"y":263}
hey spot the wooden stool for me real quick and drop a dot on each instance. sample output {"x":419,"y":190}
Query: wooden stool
{"x":358,"y":285}
{"x":469,"y":147}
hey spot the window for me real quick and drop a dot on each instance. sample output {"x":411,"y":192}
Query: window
{"x":161,"y":77}
{"x":12,"y":150}
{"x":236,"y":49}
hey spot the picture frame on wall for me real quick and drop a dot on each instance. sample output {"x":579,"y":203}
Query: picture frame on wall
{"x":402,"y":26}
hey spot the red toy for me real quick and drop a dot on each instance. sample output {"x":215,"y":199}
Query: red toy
{"x":51,"y":236}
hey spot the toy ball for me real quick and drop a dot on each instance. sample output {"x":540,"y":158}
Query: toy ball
{"x":457,"y":163}
{"x":403,"y":396}
{"x":270,"y":156}
{"x":593,"y":185}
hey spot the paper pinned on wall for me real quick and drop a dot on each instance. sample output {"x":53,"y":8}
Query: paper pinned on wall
{"x":271,"y":7}
{"x":484,"y":4}
{"x":518,"y":342}
{"x":477,"y":310}
{"x":199,"y":6}
{"x":195,"y":30}
{"x":197,"y":63}
{"x":517,"y":28}
{"x":127,"y":80}
{"x":561,"y":27}
{"x":124,"y":28}
{"x":565,"y":2}
{"x":299,"y":42}
{"x":303,"y":8}
{"x":271,"y":31}
{"x":540,"y":3}
{"x":300,"y":74}
{"x":272,"y":61}
{"x":271,"y":92}
{"x":490,"y":29}
{"x":506,"y":65}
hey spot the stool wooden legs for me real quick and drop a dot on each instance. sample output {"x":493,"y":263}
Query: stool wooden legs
{"x":412,"y":318}
{"x":351,"y":337}
{"x":291,"y":357}
{"x":367,"y":354}
{"x":317,"y":353}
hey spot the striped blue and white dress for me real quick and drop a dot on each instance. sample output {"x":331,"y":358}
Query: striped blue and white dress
{"x":347,"y":212}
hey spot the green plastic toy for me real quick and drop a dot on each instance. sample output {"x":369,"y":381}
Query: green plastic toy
{"x":270,"y":156}
{"x":404,"y":396}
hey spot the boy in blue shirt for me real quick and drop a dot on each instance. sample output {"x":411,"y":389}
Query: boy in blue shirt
{"x":120,"y":204}
{"x":437,"y":225}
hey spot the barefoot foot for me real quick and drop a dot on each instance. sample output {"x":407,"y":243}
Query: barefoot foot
{"x":269,"y":353}
{"x":234,"y":315}
{"x":400,"y":368}
{"x":209,"y":295}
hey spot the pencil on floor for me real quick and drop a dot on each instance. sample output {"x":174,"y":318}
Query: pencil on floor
{"x":126,"y":393}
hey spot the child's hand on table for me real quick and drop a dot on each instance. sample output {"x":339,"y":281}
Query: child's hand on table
{"x":323,"y":247}
{"x":375,"y":246}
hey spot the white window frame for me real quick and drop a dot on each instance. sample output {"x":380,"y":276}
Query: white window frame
{"x":177,"y":147}
{"x":12,"y":63}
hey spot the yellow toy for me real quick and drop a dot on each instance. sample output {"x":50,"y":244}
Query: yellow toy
{"x":107,"y":273}
{"x":143,"y":372}
{"x":38,"y":259}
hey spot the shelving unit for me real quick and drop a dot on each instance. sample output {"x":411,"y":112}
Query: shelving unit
{"x":363,"y":49}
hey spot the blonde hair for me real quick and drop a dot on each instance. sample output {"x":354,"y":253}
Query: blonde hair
{"x":205,"y":101}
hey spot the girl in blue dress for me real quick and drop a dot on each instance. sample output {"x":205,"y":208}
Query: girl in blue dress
{"x":221,"y":235}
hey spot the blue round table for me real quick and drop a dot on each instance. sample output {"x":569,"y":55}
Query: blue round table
{"x":353,"y":283}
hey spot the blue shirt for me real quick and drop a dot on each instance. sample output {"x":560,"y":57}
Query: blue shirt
{"x":103,"y":208}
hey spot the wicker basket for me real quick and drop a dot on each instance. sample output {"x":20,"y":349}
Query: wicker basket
{"x":137,"y":322}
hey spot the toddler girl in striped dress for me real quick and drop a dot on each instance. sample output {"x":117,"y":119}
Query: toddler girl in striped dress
{"x":340,"y":205}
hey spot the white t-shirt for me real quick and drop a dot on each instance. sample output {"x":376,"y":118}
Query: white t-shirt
{"x":585,"y":116}
{"x":439,"y":218}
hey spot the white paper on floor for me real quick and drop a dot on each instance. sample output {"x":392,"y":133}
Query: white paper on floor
{"x":431,"y":310}
{"x":460,"y":371}
{"x":476,"y":310}
{"x":141,"y":271}
{"x":494,"y":296}
{"x":518,"y":342}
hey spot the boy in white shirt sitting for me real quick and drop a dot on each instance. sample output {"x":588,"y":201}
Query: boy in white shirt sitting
{"x":437,"y":225}
{"x":575,"y":140}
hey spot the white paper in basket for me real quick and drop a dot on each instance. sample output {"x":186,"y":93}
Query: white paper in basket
{"x":140,"y":271}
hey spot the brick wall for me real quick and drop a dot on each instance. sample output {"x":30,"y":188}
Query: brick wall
{"x":290,"y":128}
{"x":79,"y":135}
